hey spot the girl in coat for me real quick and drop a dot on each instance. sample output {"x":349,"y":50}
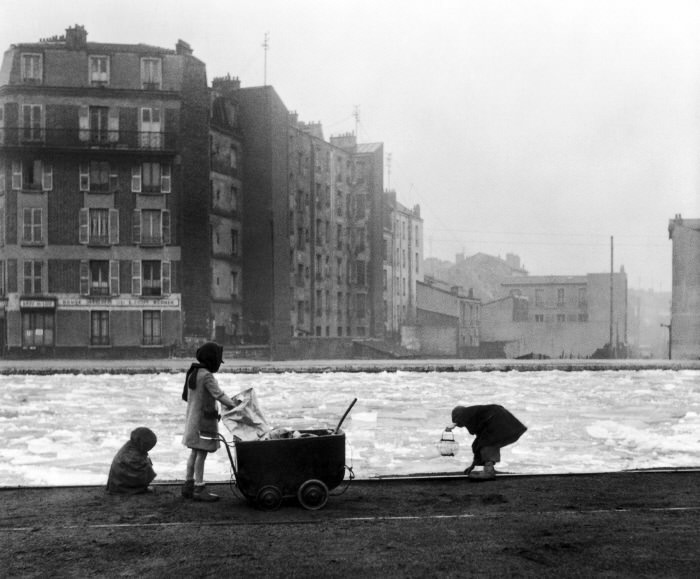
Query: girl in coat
{"x":494,"y":428}
{"x":202,"y":392}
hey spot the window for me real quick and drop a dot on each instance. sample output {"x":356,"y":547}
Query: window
{"x":582,"y":296}
{"x":98,"y":126}
{"x":2,"y":122}
{"x":32,"y":226}
{"x":583,"y":317}
{"x":560,"y":296}
{"x":96,"y":176}
{"x":151,"y":278}
{"x":37,"y":328}
{"x":151,"y":227}
{"x":151,"y":328}
{"x":561,"y":318}
{"x":150,"y":178}
{"x":151,"y":128}
{"x":31,"y":68}
{"x":234,"y":283}
{"x":32,"y":277}
{"x":32,"y":123}
{"x":32,"y":175}
{"x":539,"y":318}
{"x":99,"y":278}
{"x":99,"y":328}
{"x":361,"y":300}
{"x":99,"y":226}
{"x":151,"y":73}
{"x":234,"y":242}
{"x":539,"y":297}
{"x":98,"y":70}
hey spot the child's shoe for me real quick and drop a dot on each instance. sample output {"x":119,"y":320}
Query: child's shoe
{"x":187,"y":490}
{"x":201,"y":494}
{"x":489,"y":473}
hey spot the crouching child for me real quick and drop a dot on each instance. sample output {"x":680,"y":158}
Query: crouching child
{"x":132,"y":470}
{"x":494,"y":427}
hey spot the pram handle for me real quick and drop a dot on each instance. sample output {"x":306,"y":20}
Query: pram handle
{"x":337,"y":428}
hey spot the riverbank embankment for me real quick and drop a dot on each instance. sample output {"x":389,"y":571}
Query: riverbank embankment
{"x":178,"y":365}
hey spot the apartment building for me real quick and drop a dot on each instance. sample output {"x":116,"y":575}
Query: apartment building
{"x":559,"y":316}
{"x":403,"y":263}
{"x":103,"y":171}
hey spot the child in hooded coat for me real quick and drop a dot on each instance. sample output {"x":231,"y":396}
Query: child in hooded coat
{"x":132,"y":470}
{"x":494,"y":427}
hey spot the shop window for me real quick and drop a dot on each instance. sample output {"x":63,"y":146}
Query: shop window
{"x":37,"y":329}
{"x":152,"y":334}
{"x":99,"y":328}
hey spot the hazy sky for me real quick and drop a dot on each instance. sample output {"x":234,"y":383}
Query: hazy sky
{"x":540,"y":128}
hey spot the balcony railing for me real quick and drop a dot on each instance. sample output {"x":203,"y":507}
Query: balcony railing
{"x":88,"y":139}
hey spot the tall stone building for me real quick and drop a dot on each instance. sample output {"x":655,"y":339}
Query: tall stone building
{"x":685,"y":289}
{"x":104,"y":171}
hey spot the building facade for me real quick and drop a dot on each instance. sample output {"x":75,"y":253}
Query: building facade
{"x":403,"y":264}
{"x":685,"y":289}
{"x":559,"y":316}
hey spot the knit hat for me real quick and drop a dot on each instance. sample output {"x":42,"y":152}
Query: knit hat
{"x":143,"y":438}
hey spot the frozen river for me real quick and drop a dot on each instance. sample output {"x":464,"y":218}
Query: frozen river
{"x":64,"y":429}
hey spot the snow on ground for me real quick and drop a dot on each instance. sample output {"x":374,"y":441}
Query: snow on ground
{"x":65,"y":429}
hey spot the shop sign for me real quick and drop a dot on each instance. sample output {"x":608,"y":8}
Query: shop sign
{"x":37,"y":304}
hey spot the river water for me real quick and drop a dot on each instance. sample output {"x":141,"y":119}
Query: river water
{"x":65,"y":429}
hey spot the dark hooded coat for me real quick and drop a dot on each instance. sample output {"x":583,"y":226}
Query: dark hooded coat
{"x":132,"y":470}
{"x":201,"y":391}
{"x":492,"y":424}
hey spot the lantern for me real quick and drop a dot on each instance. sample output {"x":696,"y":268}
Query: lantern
{"x":448,"y":446}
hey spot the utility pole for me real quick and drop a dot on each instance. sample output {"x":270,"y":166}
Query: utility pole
{"x":356,"y":114}
{"x":612,"y":350}
{"x":266,"y":46}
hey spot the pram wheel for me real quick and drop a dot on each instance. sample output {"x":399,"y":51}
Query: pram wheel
{"x":313,"y":494}
{"x":269,"y":498}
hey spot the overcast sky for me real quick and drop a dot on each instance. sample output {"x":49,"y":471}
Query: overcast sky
{"x":540,"y":128}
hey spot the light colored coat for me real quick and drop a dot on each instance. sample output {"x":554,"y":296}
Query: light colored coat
{"x":202,"y":410}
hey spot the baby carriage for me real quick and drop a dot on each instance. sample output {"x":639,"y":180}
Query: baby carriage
{"x":304,"y":464}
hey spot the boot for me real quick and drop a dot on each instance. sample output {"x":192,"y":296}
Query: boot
{"x":489,"y":473}
{"x":201,"y":494}
{"x":187,"y":490}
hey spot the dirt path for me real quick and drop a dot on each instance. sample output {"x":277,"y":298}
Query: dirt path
{"x":626,"y":524}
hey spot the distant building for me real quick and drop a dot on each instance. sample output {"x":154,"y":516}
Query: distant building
{"x":685,"y":290}
{"x":103,"y":171}
{"x":447,"y":321}
{"x":558,"y":316}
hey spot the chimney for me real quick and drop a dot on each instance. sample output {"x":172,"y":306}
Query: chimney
{"x":226,"y":85}
{"x":183,"y":48}
{"x":76,"y":37}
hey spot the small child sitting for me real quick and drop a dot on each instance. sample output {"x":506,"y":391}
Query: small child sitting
{"x":132,"y":470}
{"x":494,"y":428}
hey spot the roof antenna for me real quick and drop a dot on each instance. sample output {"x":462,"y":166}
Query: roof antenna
{"x":266,"y":46}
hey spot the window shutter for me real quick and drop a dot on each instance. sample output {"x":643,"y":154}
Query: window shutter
{"x":136,"y":179}
{"x":84,"y":177}
{"x":114,"y":277}
{"x":166,"y":227}
{"x":114,"y":226}
{"x":84,"y":220}
{"x":2,"y":174}
{"x":136,"y":278}
{"x":165,"y":179}
{"x":38,"y":219}
{"x":165,"y":281}
{"x":84,"y":123}
{"x":46,"y":177}
{"x":113,"y":124}
{"x":27,"y":224}
{"x":136,"y":229}
{"x":16,"y":174}
{"x":84,"y":277}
